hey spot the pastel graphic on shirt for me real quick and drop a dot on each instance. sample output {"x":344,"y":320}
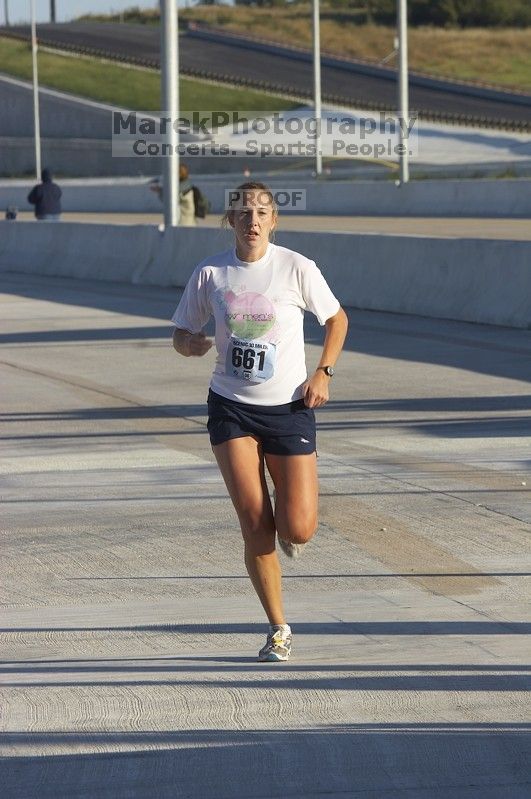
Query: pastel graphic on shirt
{"x":249,"y":315}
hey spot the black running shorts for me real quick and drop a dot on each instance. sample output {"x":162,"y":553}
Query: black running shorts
{"x":281,"y":429}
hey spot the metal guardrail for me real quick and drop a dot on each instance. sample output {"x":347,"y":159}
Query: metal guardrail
{"x":283,"y":89}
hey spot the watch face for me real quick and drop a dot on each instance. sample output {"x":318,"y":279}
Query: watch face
{"x":329,"y":371}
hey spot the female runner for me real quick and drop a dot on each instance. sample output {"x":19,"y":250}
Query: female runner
{"x":261,"y":401}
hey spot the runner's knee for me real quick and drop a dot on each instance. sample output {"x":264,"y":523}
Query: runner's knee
{"x":298,"y":531}
{"x":255,"y":522}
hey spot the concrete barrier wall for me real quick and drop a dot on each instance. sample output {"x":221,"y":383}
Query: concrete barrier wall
{"x":117,"y":253}
{"x":468,"y":198}
{"x":472,"y":280}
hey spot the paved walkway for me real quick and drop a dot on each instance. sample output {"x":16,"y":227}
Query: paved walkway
{"x":129,"y":628}
{"x":516,"y":229}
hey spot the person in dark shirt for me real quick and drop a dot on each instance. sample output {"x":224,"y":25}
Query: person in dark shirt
{"x":46,"y":197}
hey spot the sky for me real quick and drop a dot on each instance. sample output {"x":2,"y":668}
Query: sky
{"x":19,"y":10}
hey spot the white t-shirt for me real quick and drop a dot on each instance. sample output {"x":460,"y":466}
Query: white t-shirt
{"x":258,"y":309}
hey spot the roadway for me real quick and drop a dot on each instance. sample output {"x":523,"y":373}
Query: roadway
{"x":228,"y":62}
{"x":130,"y":630}
{"x":456,"y":227}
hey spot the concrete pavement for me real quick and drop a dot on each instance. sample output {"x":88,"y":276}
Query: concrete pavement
{"x":456,"y":227}
{"x":129,"y":627}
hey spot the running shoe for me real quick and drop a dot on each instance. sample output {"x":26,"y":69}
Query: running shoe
{"x":291,"y":550}
{"x":277,"y":646}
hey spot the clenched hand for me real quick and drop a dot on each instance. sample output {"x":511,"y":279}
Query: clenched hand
{"x":186,"y":343}
{"x":315,"y":390}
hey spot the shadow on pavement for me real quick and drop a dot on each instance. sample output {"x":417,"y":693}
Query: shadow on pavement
{"x":313,"y":628}
{"x":458,"y":760}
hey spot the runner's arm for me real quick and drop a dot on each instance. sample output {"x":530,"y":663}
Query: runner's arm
{"x":316,"y":387}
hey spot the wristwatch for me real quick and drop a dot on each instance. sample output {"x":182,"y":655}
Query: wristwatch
{"x":328,"y":370}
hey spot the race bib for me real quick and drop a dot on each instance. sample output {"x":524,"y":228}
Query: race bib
{"x":250,"y":360}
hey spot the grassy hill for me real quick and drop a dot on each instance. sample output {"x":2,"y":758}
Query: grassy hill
{"x":126,"y":86}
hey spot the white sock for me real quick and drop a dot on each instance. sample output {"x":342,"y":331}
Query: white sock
{"x":285,"y":628}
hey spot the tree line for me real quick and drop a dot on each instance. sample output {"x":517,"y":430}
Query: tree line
{"x":442,"y":13}
{"x":458,"y":13}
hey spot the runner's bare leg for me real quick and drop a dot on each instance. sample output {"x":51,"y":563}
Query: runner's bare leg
{"x":296,"y":495}
{"x":241,"y":463}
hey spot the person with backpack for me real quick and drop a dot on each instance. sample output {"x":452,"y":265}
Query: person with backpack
{"x":192,"y":202}
{"x":186,"y":198}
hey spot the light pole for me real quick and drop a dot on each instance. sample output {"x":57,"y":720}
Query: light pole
{"x":52,"y":10}
{"x":36,"y":116}
{"x":169,"y":33}
{"x":6,"y":13}
{"x":403,"y":91}
{"x":317,"y":86}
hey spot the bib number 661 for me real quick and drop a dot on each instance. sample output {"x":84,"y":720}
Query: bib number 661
{"x":247,"y":358}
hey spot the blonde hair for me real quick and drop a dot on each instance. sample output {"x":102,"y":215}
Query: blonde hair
{"x":251,"y":185}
